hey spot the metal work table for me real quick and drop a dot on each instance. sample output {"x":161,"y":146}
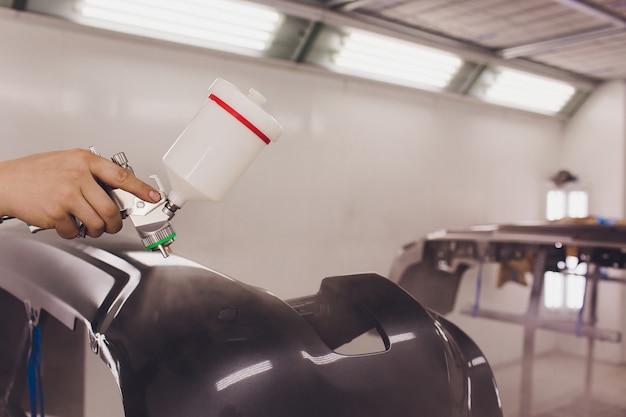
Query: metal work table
{"x":431,"y":268}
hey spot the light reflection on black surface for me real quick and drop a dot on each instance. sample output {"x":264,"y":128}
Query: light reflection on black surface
{"x":402,"y":337}
{"x":322,"y":360}
{"x":242,"y":374}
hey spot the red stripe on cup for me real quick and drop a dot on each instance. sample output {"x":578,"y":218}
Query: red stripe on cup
{"x":239,"y":117}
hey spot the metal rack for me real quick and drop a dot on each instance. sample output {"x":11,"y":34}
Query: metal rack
{"x":440,"y":259}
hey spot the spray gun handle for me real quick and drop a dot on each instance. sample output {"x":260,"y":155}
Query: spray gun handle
{"x":151,"y":220}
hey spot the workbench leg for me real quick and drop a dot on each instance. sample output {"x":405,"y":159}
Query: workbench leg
{"x":527,"y":372}
{"x":529,"y":334}
{"x":593,"y":319}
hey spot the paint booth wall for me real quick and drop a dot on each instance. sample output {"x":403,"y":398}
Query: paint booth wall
{"x":361,"y":168}
{"x":595,"y":149}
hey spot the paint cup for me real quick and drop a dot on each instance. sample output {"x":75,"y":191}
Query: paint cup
{"x":221,"y":141}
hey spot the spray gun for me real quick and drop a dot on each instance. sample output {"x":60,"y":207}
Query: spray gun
{"x":151,"y":220}
{"x":209,"y":156}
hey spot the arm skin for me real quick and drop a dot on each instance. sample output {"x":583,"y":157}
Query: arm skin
{"x":52,"y":190}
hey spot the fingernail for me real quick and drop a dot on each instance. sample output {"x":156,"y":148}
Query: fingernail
{"x":155,"y":196}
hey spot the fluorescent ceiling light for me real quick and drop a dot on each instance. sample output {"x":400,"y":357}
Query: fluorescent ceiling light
{"x":527,"y":91}
{"x":199,"y":22}
{"x":394,"y":60}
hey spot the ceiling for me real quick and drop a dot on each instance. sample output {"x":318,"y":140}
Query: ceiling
{"x":582,"y":42}
{"x":582,"y":38}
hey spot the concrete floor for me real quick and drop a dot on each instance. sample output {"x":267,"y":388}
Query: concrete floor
{"x":558,"y":388}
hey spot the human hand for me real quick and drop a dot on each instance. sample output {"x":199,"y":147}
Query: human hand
{"x":54,"y":190}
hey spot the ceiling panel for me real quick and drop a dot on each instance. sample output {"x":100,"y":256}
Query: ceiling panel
{"x":616,"y":6}
{"x":581,"y":37}
{"x":600,"y":58}
{"x":489,"y":23}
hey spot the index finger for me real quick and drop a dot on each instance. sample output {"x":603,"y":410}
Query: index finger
{"x":115,"y":176}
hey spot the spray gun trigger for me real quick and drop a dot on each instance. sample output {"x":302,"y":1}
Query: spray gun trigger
{"x":160,"y":186}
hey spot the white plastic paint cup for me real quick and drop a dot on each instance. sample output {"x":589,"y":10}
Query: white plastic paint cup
{"x":219,"y":143}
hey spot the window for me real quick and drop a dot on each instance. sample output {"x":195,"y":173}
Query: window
{"x":565,"y":291}
{"x":562,"y":203}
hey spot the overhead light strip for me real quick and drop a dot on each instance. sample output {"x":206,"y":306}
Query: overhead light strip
{"x":243,"y":27}
{"x":230,"y":22}
{"x":528,"y":91}
{"x":397,"y":61}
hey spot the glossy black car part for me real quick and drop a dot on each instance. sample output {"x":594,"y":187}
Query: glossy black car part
{"x":183,"y":340}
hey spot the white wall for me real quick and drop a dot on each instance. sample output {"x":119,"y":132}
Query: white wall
{"x":595,"y":150}
{"x":361,"y":169}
